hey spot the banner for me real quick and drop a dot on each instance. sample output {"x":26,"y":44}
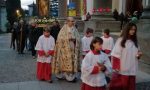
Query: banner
{"x":83,"y":9}
{"x":72,"y":9}
{"x":72,"y":13}
{"x":72,"y":5}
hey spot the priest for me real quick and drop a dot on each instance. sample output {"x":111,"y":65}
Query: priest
{"x":66,"y":57}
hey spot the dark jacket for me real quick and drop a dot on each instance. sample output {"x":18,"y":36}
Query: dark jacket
{"x":55,"y":31}
{"x":34,"y":34}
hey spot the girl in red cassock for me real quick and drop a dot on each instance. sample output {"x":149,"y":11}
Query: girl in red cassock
{"x":94,"y":67}
{"x":125,"y":55}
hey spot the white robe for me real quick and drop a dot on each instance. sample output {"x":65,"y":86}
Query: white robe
{"x":88,"y":63}
{"x":127,"y":56}
{"x":86,"y":41}
{"x":46,"y":44}
{"x":108,"y":43}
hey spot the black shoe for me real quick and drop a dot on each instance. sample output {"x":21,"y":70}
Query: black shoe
{"x":22,"y":53}
{"x":60,"y":78}
{"x":41,"y":80}
{"x":50,"y":81}
{"x":19,"y":52}
{"x":75,"y":80}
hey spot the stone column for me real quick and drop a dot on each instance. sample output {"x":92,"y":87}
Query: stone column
{"x":144,"y":3}
{"x":90,"y":6}
{"x":62,"y":9}
{"x":122,"y":6}
{"x":115,"y":5}
{"x":144,"y":33}
{"x":146,"y":13}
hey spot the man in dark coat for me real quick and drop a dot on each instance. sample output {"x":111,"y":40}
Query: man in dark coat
{"x":34,"y":34}
{"x":14,"y":35}
{"x":55,"y":29}
{"x":22,"y":36}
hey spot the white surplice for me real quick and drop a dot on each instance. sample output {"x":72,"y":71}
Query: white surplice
{"x":86,"y":41}
{"x":46,"y":44}
{"x":127,"y":56}
{"x":108,"y":43}
{"x":88,"y":63}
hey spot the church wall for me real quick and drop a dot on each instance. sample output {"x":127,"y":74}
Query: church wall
{"x":3,"y":19}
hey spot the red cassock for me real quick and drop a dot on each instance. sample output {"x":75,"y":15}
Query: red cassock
{"x":119,"y":81}
{"x":122,"y":82}
{"x":87,"y":87}
{"x":44,"y":69}
{"x":125,"y":61}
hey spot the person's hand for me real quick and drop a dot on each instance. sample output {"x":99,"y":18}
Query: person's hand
{"x":46,"y":54}
{"x":139,"y":54}
{"x":116,"y":71}
{"x":101,"y":67}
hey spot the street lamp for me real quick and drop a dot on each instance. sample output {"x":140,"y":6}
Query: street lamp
{"x":18,"y":12}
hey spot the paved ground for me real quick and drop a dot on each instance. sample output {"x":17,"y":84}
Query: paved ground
{"x":35,"y":85}
{"x":14,"y":67}
{"x":17,"y":72}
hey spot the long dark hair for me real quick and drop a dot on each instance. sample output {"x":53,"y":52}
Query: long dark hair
{"x":125,"y":35}
{"x":89,"y":30}
{"x":95,"y":40}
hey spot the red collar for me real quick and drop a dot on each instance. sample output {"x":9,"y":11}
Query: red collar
{"x":107,"y":37}
{"x":48,"y":36}
{"x":96,"y":52}
{"x":88,"y":36}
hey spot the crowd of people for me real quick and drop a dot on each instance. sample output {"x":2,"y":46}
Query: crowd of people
{"x":19,"y":36}
{"x":127,"y":17}
{"x":25,"y":35}
{"x":102,"y":62}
